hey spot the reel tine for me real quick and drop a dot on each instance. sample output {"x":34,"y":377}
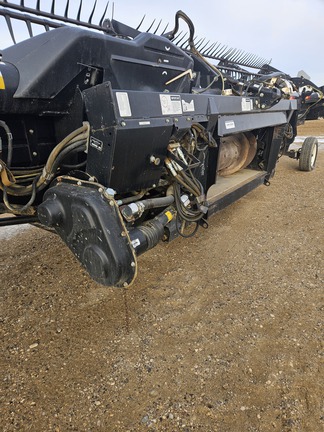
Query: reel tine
{"x":151,"y":26}
{"x":8,"y":20}
{"x":139,"y":25}
{"x":209,"y":49}
{"x":248,"y":60}
{"x":242,"y":58}
{"x":29,"y":27}
{"x":104,"y":14}
{"x":157,"y":28}
{"x":262,"y":61}
{"x":183,"y":39}
{"x":206,"y":44}
{"x":67,"y":9}
{"x":214,"y":51}
{"x":200,"y":43}
{"x":79,"y":11}
{"x":177,"y":37}
{"x":52,"y":7}
{"x":257,"y":63}
{"x":164,"y":30}
{"x":38,"y":5}
{"x":231,"y":54}
{"x":185,"y":43}
{"x":226,"y":53}
{"x":221,"y":52}
{"x":254,"y":61}
{"x":237,"y":55}
{"x":91,"y":16}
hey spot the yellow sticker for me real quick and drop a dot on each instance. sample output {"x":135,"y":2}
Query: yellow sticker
{"x":169,"y":215}
{"x":2,"y":83}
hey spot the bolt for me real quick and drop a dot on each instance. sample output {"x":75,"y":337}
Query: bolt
{"x":133,"y":264}
{"x":123,"y":234}
{"x":167,"y":120}
{"x":111,"y":202}
{"x":111,"y":191}
{"x":34,"y":154}
{"x":125,"y":284}
{"x":155,"y":160}
{"x":262,"y":106}
{"x":261,"y":94}
{"x":176,"y":120}
{"x":123,"y":123}
{"x":188,"y":118}
{"x":31,"y":131}
{"x":100,"y":190}
{"x":79,"y":183}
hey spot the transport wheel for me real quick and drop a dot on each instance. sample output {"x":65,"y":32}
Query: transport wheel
{"x":308,"y":154}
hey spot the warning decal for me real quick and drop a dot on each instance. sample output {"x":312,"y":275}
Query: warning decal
{"x":2,"y":83}
{"x":247,"y":104}
{"x":188,"y":106}
{"x":170,"y":104}
{"x":123,"y":104}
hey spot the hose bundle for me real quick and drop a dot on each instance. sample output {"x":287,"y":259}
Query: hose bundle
{"x":11,"y":180}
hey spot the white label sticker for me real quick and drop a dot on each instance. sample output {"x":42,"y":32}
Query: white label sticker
{"x":136,"y":243}
{"x":247,"y":104}
{"x":230,"y":124}
{"x":123,"y":104}
{"x":144,"y":123}
{"x":188,"y":106}
{"x":170,"y":104}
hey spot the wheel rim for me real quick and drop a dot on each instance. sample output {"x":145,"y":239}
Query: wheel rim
{"x":313,"y":155}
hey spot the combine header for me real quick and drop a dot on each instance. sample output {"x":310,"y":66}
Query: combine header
{"x":118,"y":138}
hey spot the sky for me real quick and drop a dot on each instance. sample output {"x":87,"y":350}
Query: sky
{"x":290,"y":32}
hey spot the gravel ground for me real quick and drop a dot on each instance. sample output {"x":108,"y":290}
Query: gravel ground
{"x":221,"y":332}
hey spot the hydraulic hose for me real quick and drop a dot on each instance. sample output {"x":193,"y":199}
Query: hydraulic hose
{"x":9,"y":137}
{"x":136,"y":209}
{"x":76,"y":139}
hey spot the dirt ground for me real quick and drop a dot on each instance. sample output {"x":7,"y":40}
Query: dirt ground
{"x":221,"y":332}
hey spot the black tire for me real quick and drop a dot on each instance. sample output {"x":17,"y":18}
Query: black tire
{"x":308,"y":154}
